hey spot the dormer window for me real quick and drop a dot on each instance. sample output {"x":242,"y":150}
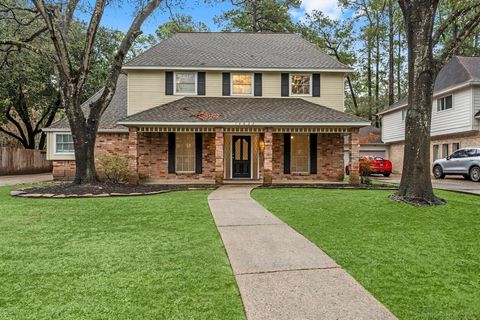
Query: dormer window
{"x":242,"y":83}
{"x":444,"y":103}
{"x":300,"y":84}
{"x":185,"y":83}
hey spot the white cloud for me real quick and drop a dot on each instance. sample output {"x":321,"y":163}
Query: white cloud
{"x":328,"y":7}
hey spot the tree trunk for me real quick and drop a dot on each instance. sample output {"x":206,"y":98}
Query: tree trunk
{"x":399,"y":65}
{"x":369,"y":76}
{"x":416,"y":184}
{"x":391,"y":71}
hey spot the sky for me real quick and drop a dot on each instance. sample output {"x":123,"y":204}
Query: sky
{"x":120,"y":17}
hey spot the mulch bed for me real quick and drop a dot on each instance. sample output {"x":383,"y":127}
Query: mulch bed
{"x":69,"y":190}
{"x":334,"y":186}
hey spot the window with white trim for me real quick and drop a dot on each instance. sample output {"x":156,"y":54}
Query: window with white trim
{"x":64,"y":143}
{"x":444,"y":103}
{"x":185,"y":83}
{"x":301,"y":84}
{"x":436,"y":152}
{"x":300,"y":153}
{"x":185,"y":152}
{"x":242,"y":83}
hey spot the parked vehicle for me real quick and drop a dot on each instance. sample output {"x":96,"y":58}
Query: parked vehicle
{"x":371,"y":165}
{"x":465,"y":162}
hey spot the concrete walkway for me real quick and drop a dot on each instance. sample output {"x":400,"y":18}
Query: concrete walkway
{"x":25,"y":178}
{"x":281,"y":274}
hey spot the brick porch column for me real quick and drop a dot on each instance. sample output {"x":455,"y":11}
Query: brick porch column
{"x":354,"y":176}
{"x":219,"y":171}
{"x":133,"y":156}
{"x":267,"y":156}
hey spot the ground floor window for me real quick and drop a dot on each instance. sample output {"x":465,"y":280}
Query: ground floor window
{"x":455,"y":146}
{"x":435,"y":152}
{"x":63,"y":143}
{"x":300,"y":155}
{"x":444,"y":150}
{"x":185,"y":152}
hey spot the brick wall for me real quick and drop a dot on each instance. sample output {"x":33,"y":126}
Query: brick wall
{"x":107,"y":143}
{"x":330,"y":165}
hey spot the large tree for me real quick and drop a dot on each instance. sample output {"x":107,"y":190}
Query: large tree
{"x":259,"y":16}
{"x":426,"y":56}
{"x":180,"y":23}
{"x":57,"y":18}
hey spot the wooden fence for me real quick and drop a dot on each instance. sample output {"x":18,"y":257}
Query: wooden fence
{"x":23,"y":161}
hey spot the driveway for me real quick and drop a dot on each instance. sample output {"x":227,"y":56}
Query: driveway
{"x":451,"y":183}
{"x":25,"y":178}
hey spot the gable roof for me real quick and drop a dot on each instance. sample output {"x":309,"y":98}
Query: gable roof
{"x":242,"y":111}
{"x":204,"y":50}
{"x":115,"y":111}
{"x":459,"y":70}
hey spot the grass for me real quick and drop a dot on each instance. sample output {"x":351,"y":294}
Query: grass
{"x":154,"y":257}
{"x":422,"y":263}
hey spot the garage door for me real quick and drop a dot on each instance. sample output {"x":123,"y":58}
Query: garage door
{"x":375,"y":153}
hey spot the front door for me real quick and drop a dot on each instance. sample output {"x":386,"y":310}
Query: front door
{"x":241,"y":164}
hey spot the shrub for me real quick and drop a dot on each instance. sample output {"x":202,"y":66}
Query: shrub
{"x":115,"y":168}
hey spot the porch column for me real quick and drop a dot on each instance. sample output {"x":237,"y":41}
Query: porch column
{"x":219,"y":168}
{"x":354,"y":177}
{"x":267,"y":156}
{"x":133,"y":156}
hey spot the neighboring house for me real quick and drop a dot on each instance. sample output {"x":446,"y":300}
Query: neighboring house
{"x":371,"y":144}
{"x":455,"y":113}
{"x":220,"y":106}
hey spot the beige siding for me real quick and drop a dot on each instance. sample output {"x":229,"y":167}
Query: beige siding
{"x":146,"y":89}
{"x":393,"y":127}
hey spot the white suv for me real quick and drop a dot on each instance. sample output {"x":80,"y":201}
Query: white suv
{"x":465,"y":162}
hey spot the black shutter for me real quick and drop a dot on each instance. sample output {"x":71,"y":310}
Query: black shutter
{"x":313,"y":153}
{"x":286,"y":152}
{"x":316,"y":85}
{"x":201,"y":83}
{"x":285,"y":85}
{"x":226,"y":84}
{"x":257,"y":85}
{"x":198,"y":152}
{"x":171,"y":152}
{"x":169,"y":83}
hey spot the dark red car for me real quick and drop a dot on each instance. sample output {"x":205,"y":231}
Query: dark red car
{"x":371,"y":164}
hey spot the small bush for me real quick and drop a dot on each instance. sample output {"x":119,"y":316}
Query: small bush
{"x":115,"y":168}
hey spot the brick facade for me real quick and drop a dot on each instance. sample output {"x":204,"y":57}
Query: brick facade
{"x":396,"y":150}
{"x":148,"y":154}
{"x":330,"y":166}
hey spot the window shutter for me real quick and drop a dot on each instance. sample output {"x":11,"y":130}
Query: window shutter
{"x":285,"y":85}
{"x":257,"y":85}
{"x":313,"y":153}
{"x":201,"y":83}
{"x":286,"y":152}
{"x":226,"y":84}
{"x":169,"y":83}
{"x":316,"y":85}
{"x":198,"y":152}
{"x":171,"y":152}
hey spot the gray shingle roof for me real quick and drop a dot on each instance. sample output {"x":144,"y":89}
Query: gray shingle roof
{"x":238,"y":110}
{"x":116,"y":110}
{"x":236,"y":50}
{"x":457,"y":71}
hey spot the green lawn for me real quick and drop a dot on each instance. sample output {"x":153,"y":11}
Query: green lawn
{"x":422,"y":263}
{"x":154,"y":257}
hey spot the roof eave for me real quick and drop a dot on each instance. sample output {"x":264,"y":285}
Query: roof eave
{"x":118,"y":130}
{"x":344,"y":70}
{"x":248,"y":124}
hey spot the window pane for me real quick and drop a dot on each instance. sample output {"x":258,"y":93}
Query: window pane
{"x":300,"y":156}
{"x":300,"y":84}
{"x":64,"y":143}
{"x":444,"y":150}
{"x":242,"y":83}
{"x":448,"y":102}
{"x":185,"y":152}
{"x":185,"y":82}
{"x":455,"y":146}
{"x":435,"y":152}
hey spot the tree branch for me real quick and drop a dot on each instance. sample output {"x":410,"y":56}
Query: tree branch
{"x":451,"y":19}
{"x":21,"y":44}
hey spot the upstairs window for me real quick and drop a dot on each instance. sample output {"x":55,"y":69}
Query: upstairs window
{"x":300,"y":85}
{"x":444,"y":103}
{"x":242,"y":83}
{"x":300,"y":154}
{"x":63,"y":143}
{"x":185,"y":83}
{"x":185,"y":152}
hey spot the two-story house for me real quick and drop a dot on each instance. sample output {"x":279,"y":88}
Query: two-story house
{"x":220,"y":106}
{"x":455,"y":113}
